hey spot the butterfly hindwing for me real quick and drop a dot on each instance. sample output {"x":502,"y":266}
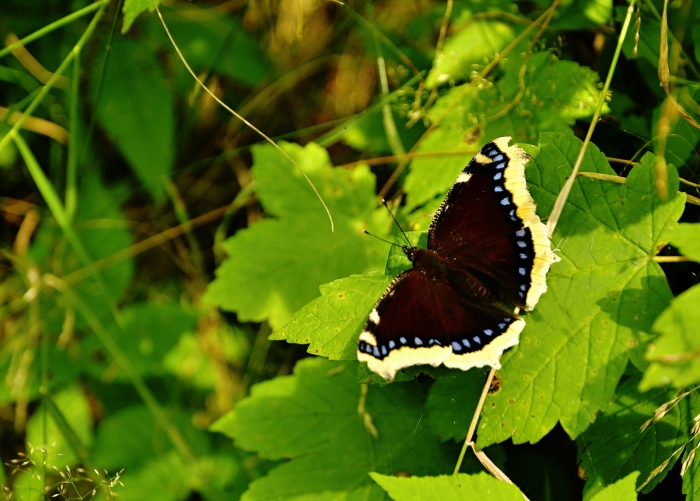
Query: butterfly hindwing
{"x":421,"y":321}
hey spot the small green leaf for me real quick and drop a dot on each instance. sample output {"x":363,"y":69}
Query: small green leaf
{"x":479,"y":487}
{"x":675,"y":355}
{"x":622,"y":490}
{"x":312,"y":417}
{"x":582,"y":14}
{"x":615,"y":445}
{"x":276,"y":266}
{"x":471,"y":45}
{"x":603,"y":296}
{"x":686,"y":238}
{"x":331,"y":324}
{"x":136,"y":110}
{"x":132,"y":9}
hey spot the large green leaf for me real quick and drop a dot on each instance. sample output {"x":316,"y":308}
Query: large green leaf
{"x":452,"y":401}
{"x":481,"y":487}
{"x":276,"y":266}
{"x":135,"y":108}
{"x":615,"y":445}
{"x":603,"y":296}
{"x":312,"y":417}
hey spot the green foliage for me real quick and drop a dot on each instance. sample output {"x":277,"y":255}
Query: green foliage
{"x":547,"y":81}
{"x":319,"y":417}
{"x":577,"y":342}
{"x":687,"y":239}
{"x":276,"y":266}
{"x":136,"y":210}
{"x":477,"y":487}
{"x":467,"y":47}
{"x":619,"y":442}
{"x":135,"y":108}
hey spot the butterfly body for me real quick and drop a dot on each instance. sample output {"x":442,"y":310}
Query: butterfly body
{"x":438,"y":268}
{"x":487,"y":252}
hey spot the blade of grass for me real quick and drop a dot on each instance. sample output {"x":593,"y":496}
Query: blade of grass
{"x":54,"y":203}
{"x":53,"y":26}
{"x":13,"y":132}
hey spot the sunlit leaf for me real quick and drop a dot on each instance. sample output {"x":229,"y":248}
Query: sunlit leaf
{"x":603,"y":296}
{"x":481,"y":487}
{"x":312,"y":417}
{"x":276,"y":266}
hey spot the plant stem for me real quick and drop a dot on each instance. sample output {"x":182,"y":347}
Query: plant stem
{"x":13,"y":132}
{"x":564,"y":193}
{"x":53,"y":26}
{"x":475,"y":419}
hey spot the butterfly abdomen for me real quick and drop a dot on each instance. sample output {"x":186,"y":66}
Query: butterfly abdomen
{"x":442,"y":269}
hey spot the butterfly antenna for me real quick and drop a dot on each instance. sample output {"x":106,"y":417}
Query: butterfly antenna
{"x":380,"y":238}
{"x":408,"y":242}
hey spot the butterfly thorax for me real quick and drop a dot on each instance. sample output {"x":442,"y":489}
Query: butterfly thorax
{"x":442,"y":269}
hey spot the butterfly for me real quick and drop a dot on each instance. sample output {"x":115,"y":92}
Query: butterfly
{"x":487,"y":248}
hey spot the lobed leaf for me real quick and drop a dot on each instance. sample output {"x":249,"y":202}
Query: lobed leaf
{"x":622,"y":490}
{"x":603,"y":296}
{"x":312,"y":418}
{"x":331,"y":324}
{"x":276,"y":266}
{"x":562,"y":92}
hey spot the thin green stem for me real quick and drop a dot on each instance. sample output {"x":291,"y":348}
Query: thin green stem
{"x":54,"y":77}
{"x":54,"y":203}
{"x":392,"y":133}
{"x":475,"y":419}
{"x":72,"y":168}
{"x":53,"y":26}
{"x":564,"y":193}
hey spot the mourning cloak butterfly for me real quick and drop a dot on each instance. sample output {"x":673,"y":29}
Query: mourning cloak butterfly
{"x":486,"y":247}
